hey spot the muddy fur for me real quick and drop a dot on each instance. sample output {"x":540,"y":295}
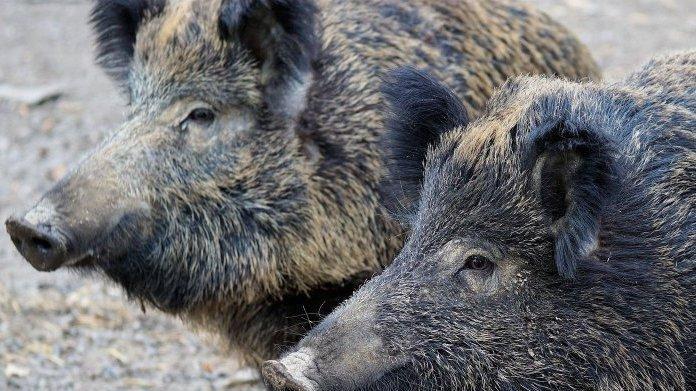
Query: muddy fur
{"x":259,"y":213}
{"x":552,"y":246}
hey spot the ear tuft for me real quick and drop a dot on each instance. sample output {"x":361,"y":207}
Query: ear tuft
{"x":575,"y":171}
{"x":420,"y":110}
{"x":116,"y":24}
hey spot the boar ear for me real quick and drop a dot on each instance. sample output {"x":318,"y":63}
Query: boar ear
{"x":419,"y":110}
{"x":574,"y":170}
{"x":116,"y":23}
{"x":281,"y":36}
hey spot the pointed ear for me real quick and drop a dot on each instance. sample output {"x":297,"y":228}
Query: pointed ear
{"x":574,"y":171}
{"x":281,"y":36}
{"x":116,"y":23}
{"x":419,"y":110}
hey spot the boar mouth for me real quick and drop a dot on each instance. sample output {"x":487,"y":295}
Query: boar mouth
{"x":395,"y":379}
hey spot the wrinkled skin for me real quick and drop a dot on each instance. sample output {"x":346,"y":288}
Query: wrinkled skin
{"x":241,"y":192}
{"x":551,"y":246}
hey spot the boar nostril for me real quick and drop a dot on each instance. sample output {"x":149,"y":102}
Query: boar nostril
{"x":41,"y":244}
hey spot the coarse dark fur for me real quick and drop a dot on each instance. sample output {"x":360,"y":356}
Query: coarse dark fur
{"x":241,"y":193}
{"x":552,"y":246}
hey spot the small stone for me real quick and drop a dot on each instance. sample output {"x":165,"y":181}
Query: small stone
{"x":47,"y":125}
{"x":12,"y":370}
{"x":31,"y":96}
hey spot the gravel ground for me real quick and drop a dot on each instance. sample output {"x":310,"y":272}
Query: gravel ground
{"x":58,"y":331}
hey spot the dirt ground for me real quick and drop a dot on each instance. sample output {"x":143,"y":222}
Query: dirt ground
{"x":58,"y":331}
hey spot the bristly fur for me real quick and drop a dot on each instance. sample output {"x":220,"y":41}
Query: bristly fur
{"x":270,"y":211}
{"x":420,"y":109}
{"x":556,"y":179}
{"x":116,"y":23}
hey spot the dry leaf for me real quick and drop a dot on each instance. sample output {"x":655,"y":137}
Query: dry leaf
{"x":120,"y":357}
{"x":207,"y":367}
{"x":57,"y":172}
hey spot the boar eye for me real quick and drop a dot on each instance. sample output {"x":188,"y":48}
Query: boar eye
{"x":478,"y":263}
{"x":202,"y":116}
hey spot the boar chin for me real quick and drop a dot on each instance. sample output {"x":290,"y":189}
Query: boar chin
{"x":167,"y":288}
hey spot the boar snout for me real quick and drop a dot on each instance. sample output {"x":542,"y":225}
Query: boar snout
{"x":344,"y":352}
{"x":40,"y":241}
{"x":289,"y":374}
{"x":73,"y":222}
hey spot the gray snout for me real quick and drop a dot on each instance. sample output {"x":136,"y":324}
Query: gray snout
{"x":290,"y":373}
{"x":346,"y":351}
{"x":38,"y":239}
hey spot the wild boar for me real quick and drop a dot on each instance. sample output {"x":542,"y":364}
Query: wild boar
{"x":552,"y":244}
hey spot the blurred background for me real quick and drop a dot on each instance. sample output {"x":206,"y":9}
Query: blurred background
{"x":59,"y":331}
